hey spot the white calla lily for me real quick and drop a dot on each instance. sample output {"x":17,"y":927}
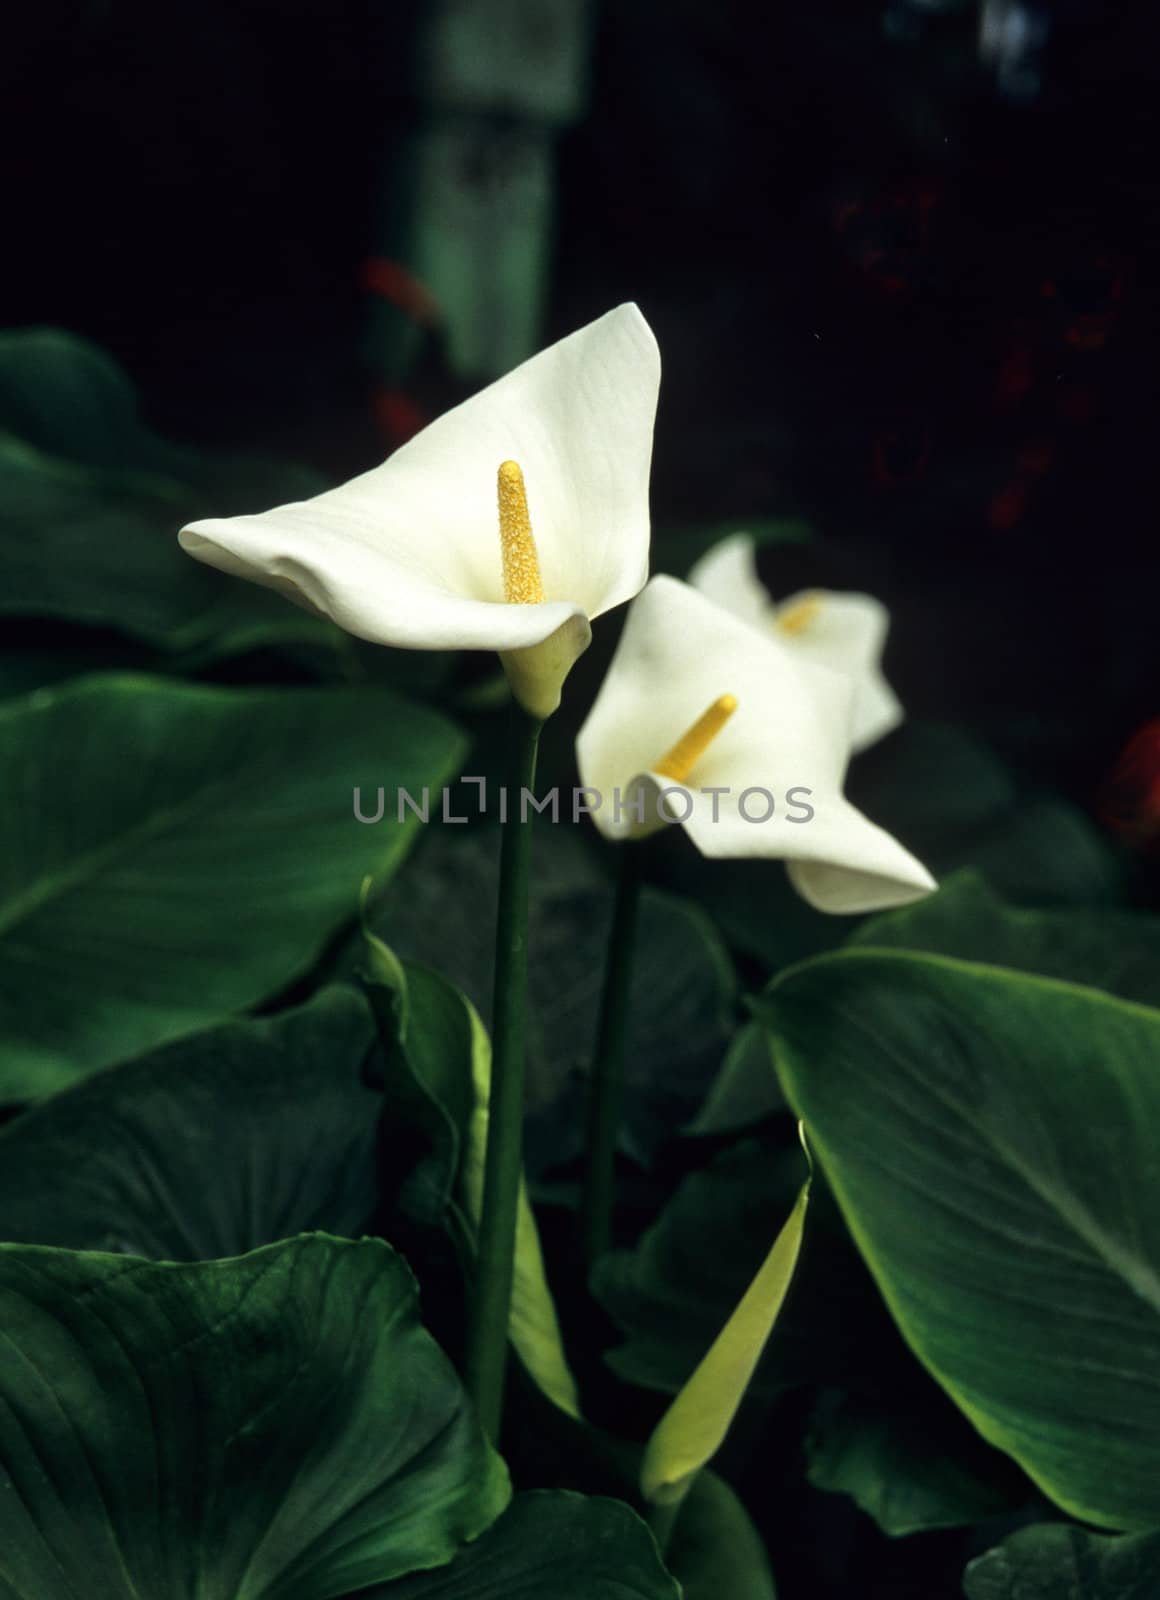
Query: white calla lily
{"x":417,"y":552}
{"x":843,"y":631}
{"x":773,"y":744}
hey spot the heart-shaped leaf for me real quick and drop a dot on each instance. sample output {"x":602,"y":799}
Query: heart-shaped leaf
{"x":715,"y":1550}
{"x":211,"y":1146}
{"x":1056,"y":1562}
{"x":172,"y":853}
{"x":745,"y":1090}
{"x":91,"y":502}
{"x":549,"y":1546}
{"x":894,"y":1465}
{"x":675,"y":1291}
{"x":990,"y":1139}
{"x":950,"y":801}
{"x":274,"y":1427}
{"x":953,"y":802}
{"x":1114,"y":950}
{"x":683,"y":987}
{"x":89,"y":545}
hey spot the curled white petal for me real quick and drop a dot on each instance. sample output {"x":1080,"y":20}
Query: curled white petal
{"x":769,"y":784}
{"x":846,"y":632}
{"x":408,"y":554}
{"x":727,"y":575}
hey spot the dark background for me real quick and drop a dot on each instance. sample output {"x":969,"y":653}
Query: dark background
{"x":895,"y":295}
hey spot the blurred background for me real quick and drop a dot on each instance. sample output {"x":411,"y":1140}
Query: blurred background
{"x":898,"y":255}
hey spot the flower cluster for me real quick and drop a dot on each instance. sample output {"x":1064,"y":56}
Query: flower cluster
{"x":513,"y":521}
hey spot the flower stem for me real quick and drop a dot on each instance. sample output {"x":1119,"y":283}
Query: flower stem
{"x":607,"y":1087}
{"x":491,"y":1303}
{"x":662,"y":1519}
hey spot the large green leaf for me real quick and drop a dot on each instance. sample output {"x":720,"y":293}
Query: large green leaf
{"x":932,"y":784}
{"x":99,"y":546}
{"x":1114,"y":950}
{"x":745,"y":1090}
{"x":65,"y":396}
{"x":683,"y":989}
{"x":1046,"y":852}
{"x":170,"y":854}
{"x":549,"y":1546}
{"x":1056,"y":1562}
{"x":950,"y":801}
{"x":24,"y":670}
{"x":990,"y":1139}
{"x":279,"y":1111}
{"x":715,"y":1549}
{"x":274,"y":1427}
{"x":935,"y":787}
{"x":208,"y":1147}
{"x":675,"y":1291}
{"x":896,"y":1468}
{"x":91,"y":501}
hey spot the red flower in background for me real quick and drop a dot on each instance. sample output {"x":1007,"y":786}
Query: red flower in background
{"x":1129,"y":799}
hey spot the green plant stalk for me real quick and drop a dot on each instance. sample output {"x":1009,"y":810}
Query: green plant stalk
{"x":662,"y":1519}
{"x":607,"y":1086}
{"x":503,"y":1163}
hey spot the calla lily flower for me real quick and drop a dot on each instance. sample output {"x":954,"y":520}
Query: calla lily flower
{"x":507,"y":524}
{"x":843,"y":631}
{"x":707,"y":722}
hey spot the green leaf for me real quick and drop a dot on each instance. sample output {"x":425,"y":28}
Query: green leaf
{"x":274,"y":1427}
{"x":277,"y":1111}
{"x":745,"y":1091}
{"x":63,"y":395}
{"x":933,"y":785}
{"x":1046,"y":853}
{"x":1056,"y":1562}
{"x":99,"y":546}
{"x":935,"y":788}
{"x":565,"y":1546}
{"x":674,"y":1292}
{"x":438,"y":1050}
{"x":988,"y":1137}
{"x":172,"y":854}
{"x":683,"y":992}
{"x":91,"y":502}
{"x":951,"y":801}
{"x":23,"y":671}
{"x":715,"y":1550}
{"x":1114,"y":950}
{"x":693,"y":1428}
{"x":895,"y":1467}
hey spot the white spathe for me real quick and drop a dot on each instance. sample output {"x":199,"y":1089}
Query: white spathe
{"x":409,"y":555}
{"x":790,"y":732}
{"x":846,"y":632}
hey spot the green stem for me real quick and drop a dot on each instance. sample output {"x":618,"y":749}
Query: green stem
{"x":491,"y":1304}
{"x":607,"y":1087}
{"x":662,"y":1519}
